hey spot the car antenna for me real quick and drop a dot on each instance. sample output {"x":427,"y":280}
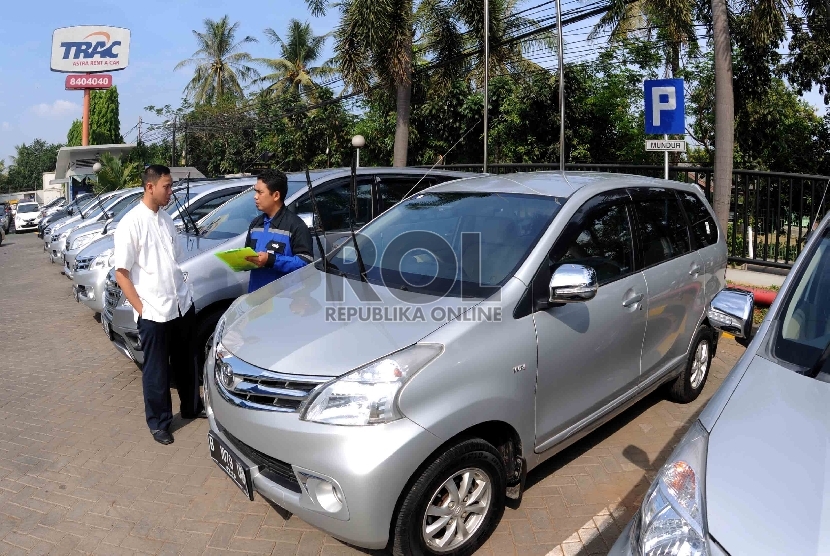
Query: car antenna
{"x":318,"y":218}
{"x":357,"y":143}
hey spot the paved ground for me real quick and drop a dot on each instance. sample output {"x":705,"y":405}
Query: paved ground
{"x":80,"y":474}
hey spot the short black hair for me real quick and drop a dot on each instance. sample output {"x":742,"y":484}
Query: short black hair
{"x":275,"y":181}
{"x":153,"y":173}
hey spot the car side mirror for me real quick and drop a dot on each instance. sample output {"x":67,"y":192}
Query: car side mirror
{"x":573,"y":283}
{"x":731,"y":311}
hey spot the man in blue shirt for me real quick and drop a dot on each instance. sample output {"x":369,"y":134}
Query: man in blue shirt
{"x":280,"y":238}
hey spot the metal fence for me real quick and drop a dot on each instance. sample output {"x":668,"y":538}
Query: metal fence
{"x":770,"y":213}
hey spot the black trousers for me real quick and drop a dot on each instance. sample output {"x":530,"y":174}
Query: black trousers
{"x":169,"y":353}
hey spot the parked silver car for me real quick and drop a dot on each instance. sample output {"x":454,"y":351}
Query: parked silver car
{"x":750,"y":475}
{"x":215,"y":286}
{"x":56,"y":241}
{"x":197,"y":200}
{"x":91,"y":263}
{"x":395,"y":397}
{"x":67,"y":209}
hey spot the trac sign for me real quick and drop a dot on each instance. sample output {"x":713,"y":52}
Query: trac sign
{"x":90,"y":49}
{"x":664,"y":104}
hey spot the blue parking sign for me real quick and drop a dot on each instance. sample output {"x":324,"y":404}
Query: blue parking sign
{"x":665,"y":107}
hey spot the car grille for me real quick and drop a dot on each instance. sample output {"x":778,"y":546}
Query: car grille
{"x":112,"y":295}
{"x":274,"y":469}
{"x":256,"y":388}
{"x":83,"y":263}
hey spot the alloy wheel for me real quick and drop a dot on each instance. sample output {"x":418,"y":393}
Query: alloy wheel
{"x":700,"y":364}
{"x":456,"y":510}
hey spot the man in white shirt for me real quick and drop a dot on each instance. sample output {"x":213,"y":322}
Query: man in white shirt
{"x":148,"y":272}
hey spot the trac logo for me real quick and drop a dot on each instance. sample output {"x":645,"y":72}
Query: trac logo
{"x":88,"y":49}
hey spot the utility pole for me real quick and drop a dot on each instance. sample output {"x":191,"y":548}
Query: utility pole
{"x":486,"y":74}
{"x":561,"y":48}
{"x":173,"y":145}
{"x":85,"y":125}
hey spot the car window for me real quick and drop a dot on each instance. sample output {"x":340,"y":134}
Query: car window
{"x":662,"y":227}
{"x":604,"y":243}
{"x":26,"y":208}
{"x":333,"y":204}
{"x":435,"y":242}
{"x":231,"y":219}
{"x":804,"y":330}
{"x":125,"y":201}
{"x":208,"y":206}
{"x":392,"y":189}
{"x":703,"y":227}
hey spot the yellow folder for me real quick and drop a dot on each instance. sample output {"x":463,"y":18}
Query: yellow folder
{"x":235,"y":259}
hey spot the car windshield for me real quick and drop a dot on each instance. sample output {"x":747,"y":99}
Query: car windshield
{"x":417,"y":245}
{"x":27,"y":208}
{"x":92,"y":206}
{"x":804,"y":330}
{"x":234,"y":217}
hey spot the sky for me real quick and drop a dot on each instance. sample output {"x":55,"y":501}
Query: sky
{"x":34,"y":103}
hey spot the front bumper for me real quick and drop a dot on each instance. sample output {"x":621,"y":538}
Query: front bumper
{"x":89,"y":286}
{"x":370,"y":464}
{"x":55,"y":250}
{"x":25,"y":227}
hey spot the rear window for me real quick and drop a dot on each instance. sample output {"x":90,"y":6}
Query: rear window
{"x":704,"y":229}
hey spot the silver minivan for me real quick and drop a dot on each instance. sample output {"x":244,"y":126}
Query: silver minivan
{"x":394,"y":393}
{"x":751,"y":474}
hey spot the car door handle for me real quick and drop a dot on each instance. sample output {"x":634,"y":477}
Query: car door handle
{"x":695,"y":270}
{"x":633,"y":300}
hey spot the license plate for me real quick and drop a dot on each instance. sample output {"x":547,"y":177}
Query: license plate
{"x":105,"y":324}
{"x":239,"y":473}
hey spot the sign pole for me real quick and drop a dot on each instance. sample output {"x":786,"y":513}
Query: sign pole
{"x":666,"y":157}
{"x":85,"y":132}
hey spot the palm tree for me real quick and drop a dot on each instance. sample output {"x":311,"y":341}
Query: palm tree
{"x":115,"y":174}
{"x":669,"y":21}
{"x":293,"y":69}
{"x":374,"y":45}
{"x":221,"y":66}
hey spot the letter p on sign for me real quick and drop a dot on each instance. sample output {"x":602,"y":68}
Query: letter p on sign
{"x":664,"y":106}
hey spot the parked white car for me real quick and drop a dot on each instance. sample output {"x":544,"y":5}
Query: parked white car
{"x":26,"y":217}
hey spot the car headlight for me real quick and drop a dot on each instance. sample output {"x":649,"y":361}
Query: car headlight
{"x":672,"y":519}
{"x":105,"y":260}
{"x":368,"y":395}
{"x":82,"y":241}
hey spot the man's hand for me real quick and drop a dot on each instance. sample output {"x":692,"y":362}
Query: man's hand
{"x":261,"y":259}
{"x":122,"y":277}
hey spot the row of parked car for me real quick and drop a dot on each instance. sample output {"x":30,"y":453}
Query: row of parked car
{"x":591,"y":291}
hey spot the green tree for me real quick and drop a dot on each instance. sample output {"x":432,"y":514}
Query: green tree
{"x":222,"y":67}
{"x":294,"y":68}
{"x":116,"y":174}
{"x":104,"y":122}
{"x":374,"y":45}
{"x":75,"y":136}
{"x":29,"y":164}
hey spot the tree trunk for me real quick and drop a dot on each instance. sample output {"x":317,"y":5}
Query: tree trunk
{"x":403,"y":102}
{"x":724,"y":112}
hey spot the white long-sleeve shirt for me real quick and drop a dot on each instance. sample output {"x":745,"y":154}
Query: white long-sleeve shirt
{"x":146,"y":246}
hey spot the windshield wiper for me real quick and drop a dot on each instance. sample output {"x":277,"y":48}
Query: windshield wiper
{"x":353,"y":206}
{"x":823,"y":361}
{"x":184,"y":211}
{"x":319,"y":221}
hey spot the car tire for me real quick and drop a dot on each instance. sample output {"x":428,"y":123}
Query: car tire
{"x":479,"y":464}
{"x":688,"y":386}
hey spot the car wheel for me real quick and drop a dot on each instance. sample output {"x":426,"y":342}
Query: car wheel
{"x":455,"y":503}
{"x":690,"y":383}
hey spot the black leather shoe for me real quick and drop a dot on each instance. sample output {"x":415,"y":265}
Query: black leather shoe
{"x":162,"y":437}
{"x":200,"y":415}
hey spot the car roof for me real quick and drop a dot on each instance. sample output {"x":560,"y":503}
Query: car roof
{"x":553,"y":183}
{"x":197,"y":189}
{"x":327,"y":174}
